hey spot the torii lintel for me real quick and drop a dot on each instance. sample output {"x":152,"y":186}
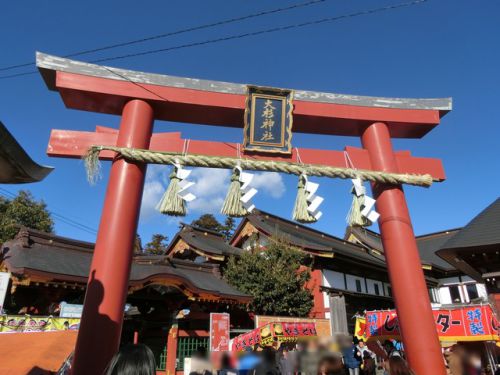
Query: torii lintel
{"x":103,"y":89}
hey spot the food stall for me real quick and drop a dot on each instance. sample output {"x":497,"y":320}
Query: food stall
{"x":458,"y":323}
{"x":474,"y":328}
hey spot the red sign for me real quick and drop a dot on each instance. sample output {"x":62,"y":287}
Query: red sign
{"x":278,"y":332}
{"x":472,"y":323}
{"x":219,"y":332}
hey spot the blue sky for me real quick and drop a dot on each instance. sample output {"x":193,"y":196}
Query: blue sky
{"x":441,"y":48}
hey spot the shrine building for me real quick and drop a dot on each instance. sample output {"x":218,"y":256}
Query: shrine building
{"x":348,"y":275}
{"x":169,"y":300}
{"x":475,"y":251}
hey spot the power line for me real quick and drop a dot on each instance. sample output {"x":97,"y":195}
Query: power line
{"x":245,"y":35}
{"x":265,"y":31}
{"x":329,"y":19}
{"x":177,"y":32}
{"x":66,"y":220}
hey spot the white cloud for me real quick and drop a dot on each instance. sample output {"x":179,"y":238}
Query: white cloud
{"x":153,"y":189}
{"x":210,"y":188}
{"x":210,"y":182}
{"x":207,"y":206}
{"x":270,"y":183}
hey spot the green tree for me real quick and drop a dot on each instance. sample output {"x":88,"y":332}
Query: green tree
{"x":208,"y":221}
{"x":227,"y":229}
{"x":26,"y":211}
{"x":158,"y":245}
{"x":274,"y":277}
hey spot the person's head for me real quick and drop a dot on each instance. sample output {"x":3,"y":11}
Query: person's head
{"x":284,"y":351}
{"x":133,"y":360}
{"x":361,"y":343}
{"x":366,"y":355}
{"x":398,"y":366}
{"x":331,"y":365}
{"x":388,"y":345}
{"x":474,"y":360}
{"x":268,"y":354}
{"x":225,"y":361}
{"x":200,"y":353}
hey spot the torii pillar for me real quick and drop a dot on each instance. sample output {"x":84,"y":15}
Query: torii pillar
{"x":401,"y":253}
{"x":141,"y":97}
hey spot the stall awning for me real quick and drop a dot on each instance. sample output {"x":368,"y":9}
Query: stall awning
{"x":465,"y":323}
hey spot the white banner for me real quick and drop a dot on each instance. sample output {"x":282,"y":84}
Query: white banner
{"x":69,"y":310}
{"x":4,"y":285}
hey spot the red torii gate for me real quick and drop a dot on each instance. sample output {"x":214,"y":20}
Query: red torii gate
{"x":140,"y":98}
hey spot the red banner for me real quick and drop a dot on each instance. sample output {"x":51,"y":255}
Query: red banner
{"x":276,"y":332}
{"x":219,"y":332}
{"x":471,"y":323}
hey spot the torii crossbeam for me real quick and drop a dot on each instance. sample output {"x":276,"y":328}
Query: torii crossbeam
{"x":74,"y":144}
{"x":140,"y":98}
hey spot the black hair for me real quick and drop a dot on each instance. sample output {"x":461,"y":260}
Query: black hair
{"x":132,"y":360}
{"x":225,"y":361}
{"x":268,"y":354}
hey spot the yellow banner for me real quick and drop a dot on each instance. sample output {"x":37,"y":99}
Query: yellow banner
{"x":322,"y":325}
{"x":26,"y":323}
{"x":359,"y":329}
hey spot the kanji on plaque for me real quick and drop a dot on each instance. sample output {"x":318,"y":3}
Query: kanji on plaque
{"x":268,"y":120}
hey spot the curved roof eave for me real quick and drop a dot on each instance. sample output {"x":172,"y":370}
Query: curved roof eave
{"x":48,"y":65}
{"x":16,"y":166}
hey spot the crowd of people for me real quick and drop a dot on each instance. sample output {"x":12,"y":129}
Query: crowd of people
{"x":306,"y":358}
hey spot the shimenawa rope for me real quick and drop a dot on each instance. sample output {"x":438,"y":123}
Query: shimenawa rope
{"x":156,"y":157}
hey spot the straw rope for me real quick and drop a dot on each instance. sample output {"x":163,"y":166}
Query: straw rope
{"x":193,"y":160}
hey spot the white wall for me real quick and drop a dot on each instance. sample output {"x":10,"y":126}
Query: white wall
{"x":481,"y":289}
{"x":371,"y":287}
{"x":444,"y":295}
{"x":351,"y":283}
{"x":332,"y":279}
{"x":326,"y":299}
{"x":337,"y":280}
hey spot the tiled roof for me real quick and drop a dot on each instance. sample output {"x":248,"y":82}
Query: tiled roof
{"x":310,"y":239}
{"x":206,"y":241}
{"x":67,"y":259}
{"x":427,"y":244}
{"x":483,"y":230}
